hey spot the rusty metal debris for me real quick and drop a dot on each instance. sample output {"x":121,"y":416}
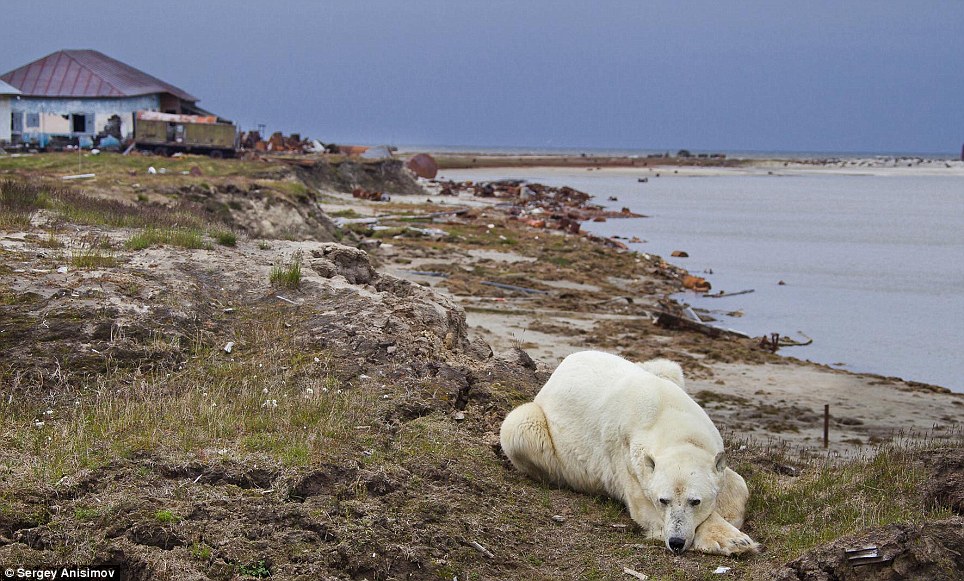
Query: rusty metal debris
{"x":278,"y":142}
{"x":771,"y":343}
{"x":364,"y":194}
{"x":540,"y":206}
{"x":423,"y":165}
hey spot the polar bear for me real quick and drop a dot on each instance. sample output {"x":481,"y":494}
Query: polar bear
{"x":604,"y":425}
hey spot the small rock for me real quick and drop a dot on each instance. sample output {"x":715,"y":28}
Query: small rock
{"x":229,"y":347}
{"x":459,"y":416}
{"x":558,"y":518}
{"x":680,"y":254}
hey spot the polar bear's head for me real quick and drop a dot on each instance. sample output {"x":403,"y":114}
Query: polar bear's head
{"x":683,"y":489}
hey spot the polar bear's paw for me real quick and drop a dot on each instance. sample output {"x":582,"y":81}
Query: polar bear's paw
{"x":718,"y":537}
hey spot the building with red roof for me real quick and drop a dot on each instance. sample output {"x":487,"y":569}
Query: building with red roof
{"x":82,"y":95}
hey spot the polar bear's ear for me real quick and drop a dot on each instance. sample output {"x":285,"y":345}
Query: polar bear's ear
{"x":666,"y":369}
{"x":641,"y":459}
{"x":721,"y":462}
{"x":650,"y":463}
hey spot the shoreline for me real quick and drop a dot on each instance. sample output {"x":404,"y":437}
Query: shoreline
{"x":466,"y":160}
{"x":660,"y":241}
{"x":761,"y":396}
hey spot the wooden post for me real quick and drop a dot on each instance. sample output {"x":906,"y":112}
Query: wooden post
{"x":826,"y":425}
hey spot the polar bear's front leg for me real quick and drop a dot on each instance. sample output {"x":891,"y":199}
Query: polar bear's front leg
{"x":732,"y":499}
{"x":718,"y":537}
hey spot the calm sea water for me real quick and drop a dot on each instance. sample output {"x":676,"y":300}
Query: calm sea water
{"x":873,"y":265}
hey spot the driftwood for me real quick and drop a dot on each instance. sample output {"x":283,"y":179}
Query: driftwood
{"x":669,"y":320}
{"x":429,"y":273}
{"x":775,"y":341}
{"x":722,"y":294}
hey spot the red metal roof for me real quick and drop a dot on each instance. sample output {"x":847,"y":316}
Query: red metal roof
{"x":86,"y":73}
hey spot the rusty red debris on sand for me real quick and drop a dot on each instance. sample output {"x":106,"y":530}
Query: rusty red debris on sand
{"x":423,"y":165}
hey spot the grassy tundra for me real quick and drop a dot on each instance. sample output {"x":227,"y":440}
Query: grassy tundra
{"x":163,"y":409}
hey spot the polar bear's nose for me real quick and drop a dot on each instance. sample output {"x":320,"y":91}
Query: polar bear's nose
{"x":676,"y":544}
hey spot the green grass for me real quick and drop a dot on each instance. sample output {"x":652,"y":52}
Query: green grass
{"x":295,"y":189}
{"x":201,"y":551}
{"x":109,"y":166}
{"x":287,"y":275}
{"x":347,"y":213}
{"x":224,"y":237}
{"x":257,"y":569}
{"x":83,"y":513}
{"x":93,"y":257}
{"x":20,"y":198}
{"x":835,"y":498}
{"x":216,"y":402}
{"x":165,"y":516}
{"x":182,"y":237}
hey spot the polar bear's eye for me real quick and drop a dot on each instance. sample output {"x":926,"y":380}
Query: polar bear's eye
{"x":664,"y":501}
{"x":695,"y":502}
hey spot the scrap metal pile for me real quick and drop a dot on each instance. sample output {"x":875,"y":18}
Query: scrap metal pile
{"x":278,"y":142}
{"x":538,"y":205}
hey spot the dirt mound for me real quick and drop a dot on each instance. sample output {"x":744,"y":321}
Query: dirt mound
{"x":381,"y":317}
{"x":401,"y":348}
{"x":947,"y":483}
{"x":285,"y":210}
{"x":928,"y":551}
{"x":388,"y":175}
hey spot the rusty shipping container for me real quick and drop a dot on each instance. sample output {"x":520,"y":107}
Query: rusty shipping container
{"x":164,"y":134}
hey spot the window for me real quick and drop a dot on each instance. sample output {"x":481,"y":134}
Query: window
{"x":78,"y":123}
{"x":33,"y":119}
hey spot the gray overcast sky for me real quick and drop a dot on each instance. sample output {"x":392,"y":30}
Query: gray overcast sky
{"x":857,"y":75}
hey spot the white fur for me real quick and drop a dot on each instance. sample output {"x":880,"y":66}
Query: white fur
{"x":666,"y":369}
{"x":604,"y":425}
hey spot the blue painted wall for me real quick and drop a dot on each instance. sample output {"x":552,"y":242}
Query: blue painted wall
{"x":56,"y":116}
